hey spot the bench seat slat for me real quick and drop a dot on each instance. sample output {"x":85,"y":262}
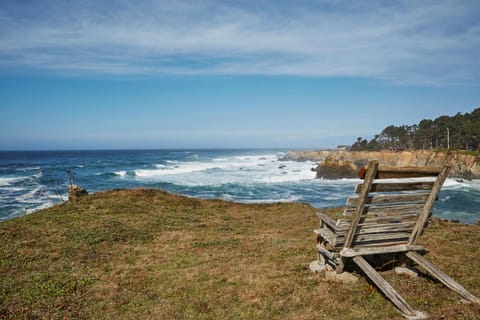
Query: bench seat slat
{"x":392,"y":187}
{"x":385,"y":210}
{"x":389,"y":199}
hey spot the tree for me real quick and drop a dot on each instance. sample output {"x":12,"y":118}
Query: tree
{"x":461,"y":131}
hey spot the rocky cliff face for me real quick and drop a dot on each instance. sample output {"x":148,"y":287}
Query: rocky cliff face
{"x":464,"y":166}
{"x":332,"y":168}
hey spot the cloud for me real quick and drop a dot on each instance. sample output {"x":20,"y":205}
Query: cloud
{"x":406,"y":41}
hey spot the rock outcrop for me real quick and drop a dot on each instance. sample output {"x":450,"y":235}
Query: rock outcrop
{"x":333,"y":168}
{"x":464,"y":166}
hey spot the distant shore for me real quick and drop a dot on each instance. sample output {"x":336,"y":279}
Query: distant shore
{"x":463,"y":165}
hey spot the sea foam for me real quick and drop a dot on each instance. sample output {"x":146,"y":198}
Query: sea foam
{"x":5,"y":181}
{"x":260,"y":169}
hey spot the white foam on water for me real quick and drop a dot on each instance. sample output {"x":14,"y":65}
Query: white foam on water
{"x":27,"y":169}
{"x":183,"y":168}
{"x":121,"y":173}
{"x":44,"y":205}
{"x":474,"y":184}
{"x":273,"y":200}
{"x":333,"y":198}
{"x":454,"y":183}
{"x":34,"y":195}
{"x":241,"y":169}
{"x":6,"y":181}
{"x":13,"y":189}
{"x":288,"y":176}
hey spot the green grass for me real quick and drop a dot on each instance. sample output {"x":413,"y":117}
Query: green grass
{"x":146,"y":254}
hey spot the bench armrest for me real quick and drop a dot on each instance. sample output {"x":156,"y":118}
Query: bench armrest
{"x":332,"y":224}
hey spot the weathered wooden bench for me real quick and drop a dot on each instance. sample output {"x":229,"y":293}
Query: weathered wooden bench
{"x":388,"y":214}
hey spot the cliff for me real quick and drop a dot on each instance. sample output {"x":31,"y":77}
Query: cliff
{"x":464,"y":166}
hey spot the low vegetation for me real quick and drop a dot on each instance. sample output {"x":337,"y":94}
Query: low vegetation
{"x":146,"y":254}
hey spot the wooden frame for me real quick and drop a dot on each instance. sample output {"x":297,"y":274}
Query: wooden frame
{"x":387,"y":216}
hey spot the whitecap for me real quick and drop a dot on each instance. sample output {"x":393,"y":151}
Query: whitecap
{"x":13,"y":189}
{"x":27,"y":169}
{"x":124,"y":173}
{"x":45,"y":205}
{"x":272,"y":200}
{"x":288,"y":177}
{"x":32,"y":195}
{"x":5,"y":181}
{"x":333,"y":198}
{"x":184,"y":168}
{"x":454,"y":184}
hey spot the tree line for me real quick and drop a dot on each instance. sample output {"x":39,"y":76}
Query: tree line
{"x":458,"y":132}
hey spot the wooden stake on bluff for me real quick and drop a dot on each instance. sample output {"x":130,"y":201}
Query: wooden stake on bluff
{"x":75,"y":192}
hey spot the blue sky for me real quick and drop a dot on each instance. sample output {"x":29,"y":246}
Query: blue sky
{"x":215,"y":74}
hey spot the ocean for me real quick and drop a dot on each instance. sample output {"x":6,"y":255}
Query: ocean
{"x":33,"y":180}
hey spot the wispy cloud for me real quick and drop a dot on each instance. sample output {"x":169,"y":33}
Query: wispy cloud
{"x":405,"y":41}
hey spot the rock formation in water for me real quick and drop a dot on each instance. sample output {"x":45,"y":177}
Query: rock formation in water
{"x":333,"y":168}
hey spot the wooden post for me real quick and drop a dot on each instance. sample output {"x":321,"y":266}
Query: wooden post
{"x":442,"y":277}
{"x":362,"y":200}
{"x":427,"y":209}
{"x":387,"y":289}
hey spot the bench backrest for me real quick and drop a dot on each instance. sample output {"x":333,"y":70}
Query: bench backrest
{"x":392,"y":206}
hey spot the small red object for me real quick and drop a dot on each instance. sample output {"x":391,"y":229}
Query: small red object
{"x":361,"y":172}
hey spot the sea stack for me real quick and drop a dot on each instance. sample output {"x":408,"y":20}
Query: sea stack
{"x":333,"y":168}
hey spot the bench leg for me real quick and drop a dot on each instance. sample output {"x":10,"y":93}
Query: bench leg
{"x":442,"y":277}
{"x":388,"y":290}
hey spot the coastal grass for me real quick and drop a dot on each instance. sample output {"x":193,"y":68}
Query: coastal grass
{"x":147,"y":254}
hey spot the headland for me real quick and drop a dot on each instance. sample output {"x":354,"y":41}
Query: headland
{"x":464,"y":166}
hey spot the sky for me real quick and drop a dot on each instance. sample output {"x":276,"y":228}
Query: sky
{"x":230,"y":74}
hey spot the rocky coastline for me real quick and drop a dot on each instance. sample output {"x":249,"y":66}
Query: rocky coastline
{"x":463,"y":166}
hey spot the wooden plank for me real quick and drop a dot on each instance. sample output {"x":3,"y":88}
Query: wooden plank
{"x":385,"y":172}
{"x":442,"y":277}
{"x":374,"y":220}
{"x":372,"y":244}
{"x":377,"y":244}
{"x":372,"y":241}
{"x":352,"y":252}
{"x":389,"y":199}
{"x":427,"y":209}
{"x":327,"y":235}
{"x":386,"y":210}
{"x":325,"y":252}
{"x":374,"y":225}
{"x":327,"y":220}
{"x":380,"y":228}
{"x":385,"y":287}
{"x":324,"y":232}
{"x":360,"y":205}
{"x":376,"y":236}
{"x":399,"y":186}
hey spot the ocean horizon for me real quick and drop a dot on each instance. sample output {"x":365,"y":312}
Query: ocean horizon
{"x":34,"y":180}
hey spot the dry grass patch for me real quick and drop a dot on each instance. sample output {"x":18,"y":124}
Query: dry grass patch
{"x":146,"y":254}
